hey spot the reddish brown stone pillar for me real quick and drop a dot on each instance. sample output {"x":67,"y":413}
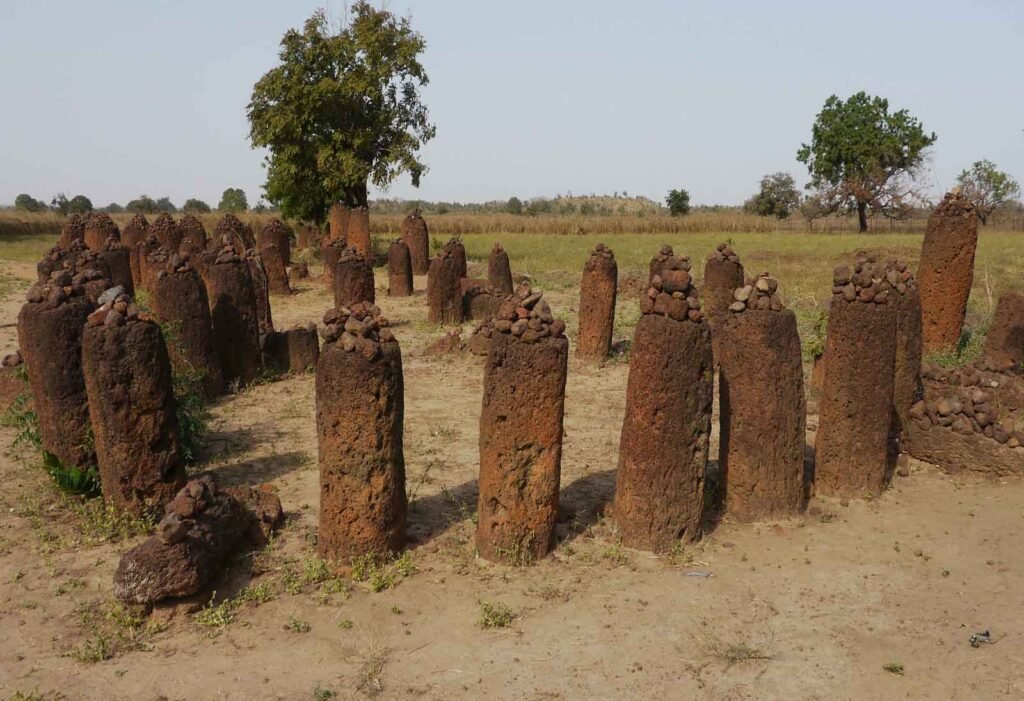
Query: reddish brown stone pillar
{"x":117,"y":259}
{"x":73,"y":230}
{"x":663,"y":451}
{"x":236,"y":331}
{"x":261,"y":287}
{"x":194,"y":239}
{"x":762,"y":407}
{"x":1004,"y":344}
{"x":444,"y":290}
{"x":458,"y":251}
{"x":723,"y":274}
{"x":152,"y":257}
{"x":98,"y":228}
{"x":275,"y":233}
{"x":852,"y":451}
{"x":417,"y":238}
{"x":353,"y":280}
{"x":399,"y":269}
{"x":276,"y":271}
{"x":330,"y":254}
{"x":903,"y":294}
{"x":597,"y":304}
{"x":50,"y":329}
{"x":167,"y":232}
{"x":338,"y":219}
{"x":359,"y":416}
{"x":499,"y":271}
{"x":946,"y":271}
{"x":133,"y":236}
{"x":305,"y":237}
{"x":303,"y":347}
{"x":180,"y":302}
{"x":131,"y":405}
{"x":359,"y":231}
{"x":521,"y":431}
{"x":238,"y":233}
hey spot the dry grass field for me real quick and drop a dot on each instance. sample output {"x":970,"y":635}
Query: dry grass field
{"x":853,"y":600}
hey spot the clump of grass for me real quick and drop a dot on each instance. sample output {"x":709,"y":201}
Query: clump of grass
{"x":112,"y":629}
{"x":23,"y":418}
{"x":730,"y":652}
{"x":518,"y":554}
{"x":382,"y":572}
{"x":216,"y":617}
{"x":189,"y":396}
{"x":84,"y":481}
{"x":894,"y":668}
{"x":298,"y":625}
{"x":495,"y":615}
{"x":968,"y":349}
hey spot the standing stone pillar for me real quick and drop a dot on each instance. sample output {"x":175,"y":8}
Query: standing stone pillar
{"x":417,"y":238}
{"x":330,"y":254}
{"x":131,"y":405}
{"x":852,"y":454}
{"x":167,"y":232}
{"x":359,"y":232}
{"x":275,"y":233}
{"x":359,"y":419}
{"x":458,"y":251}
{"x":305,"y":237}
{"x":597,"y":304}
{"x":239,"y":233}
{"x":1004,"y":344}
{"x":338,"y":218}
{"x":399,"y":269}
{"x":73,"y":230}
{"x":663,"y":451}
{"x":723,"y":274}
{"x":353,"y":280}
{"x":761,"y":404}
{"x":180,"y":302}
{"x":276,"y":270}
{"x":50,"y":329}
{"x":261,"y":288}
{"x":134,"y":234}
{"x":521,"y":431}
{"x":194,"y":239}
{"x":235,"y":321}
{"x":152,"y":257}
{"x":903,"y":294}
{"x":117,"y":259}
{"x":499,"y":271}
{"x":98,"y":228}
{"x":444,"y":290}
{"x":946,"y":271}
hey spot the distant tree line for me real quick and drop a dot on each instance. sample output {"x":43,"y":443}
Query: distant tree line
{"x":232,"y":200}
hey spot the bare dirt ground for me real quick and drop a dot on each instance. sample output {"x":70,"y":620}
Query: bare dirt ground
{"x":855,"y":600}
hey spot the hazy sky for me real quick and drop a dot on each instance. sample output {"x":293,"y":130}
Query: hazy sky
{"x":115,"y":98}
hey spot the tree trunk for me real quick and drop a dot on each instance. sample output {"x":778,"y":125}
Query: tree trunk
{"x":356,"y":196}
{"x":862,"y":216}
{"x":983,"y":218}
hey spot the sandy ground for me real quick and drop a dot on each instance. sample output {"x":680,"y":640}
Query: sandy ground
{"x":812,"y":608}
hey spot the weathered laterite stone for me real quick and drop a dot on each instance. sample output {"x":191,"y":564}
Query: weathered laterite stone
{"x":275,"y":233}
{"x":598,"y":288}
{"x":194,"y":239}
{"x":167,"y":232}
{"x":276,"y":271}
{"x":399,"y":269}
{"x":151,"y":257}
{"x":521,"y":431}
{"x":73,"y":230}
{"x":236,"y":330}
{"x":763,"y":414}
{"x":293,"y":351}
{"x":359,"y":418}
{"x":238,"y":232}
{"x":353,"y":279}
{"x":306,"y":237}
{"x":663,"y":451}
{"x":499,"y":270}
{"x":909,"y":351}
{"x":330,"y":254}
{"x":60,"y":258}
{"x":261,"y":288}
{"x":1004,"y":343}
{"x":131,"y":406}
{"x":417,"y":238}
{"x":479,"y":299}
{"x":117,"y":260}
{"x":181,"y":304}
{"x":50,"y":330}
{"x":458,"y":251}
{"x":723,"y":274}
{"x":338,"y":218}
{"x":946,"y":271}
{"x":358,"y":236}
{"x":444,"y":290}
{"x":98,"y":228}
{"x":134,"y":234}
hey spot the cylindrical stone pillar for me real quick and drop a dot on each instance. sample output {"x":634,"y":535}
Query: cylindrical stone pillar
{"x":455,"y":247}
{"x":276,"y":271}
{"x":521,"y":432}
{"x":275,"y":233}
{"x":353,"y":280}
{"x":762,"y":410}
{"x":399,"y":269}
{"x":330,"y":254}
{"x":663,"y":450}
{"x":338,"y":218}
{"x":152,"y":259}
{"x":180,"y":302}
{"x":359,"y":231}
{"x":597,"y":304}
{"x":499,"y":271}
{"x":853,"y":453}
{"x":1004,"y":344}
{"x":303,"y":348}
{"x":73,"y":230}
{"x":167,"y":232}
{"x":907,"y":379}
{"x":131,"y":406}
{"x":194,"y":240}
{"x":134,"y":234}
{"x":359,"y":418}
{"x":261,"y":288}
{"x":50,"y":339}
{"x":946,"y":271}
{"x":417,"y":238}
{"x":239,"y":233}
{"x":723,"y":273}
{"x":98,"y":228}
{"x":117,"y":258}
{"x":236,"y":332}
{"x":305,"y":236}
{"x":444,"y":290}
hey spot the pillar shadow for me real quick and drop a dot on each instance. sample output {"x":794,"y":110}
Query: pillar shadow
{"x":259,"y":470}
{"x":582,"y":503}
{"x":431,"y":516}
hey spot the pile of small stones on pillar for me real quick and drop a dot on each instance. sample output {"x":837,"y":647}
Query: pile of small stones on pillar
{"x":399,"y":269}
{"x":194,"y":239}
{"x":167,"y":232}
{"x":239,"y":233}
{"x":723,"y":275}
{"x":417,"y":238}
{"x":131,"y":406}
{"x":663,"y":450}
{"x":598,"y":288}
{"x":72,"y":231}
{"x":359,"y":416}
{"x":854,"y":455}
{"x":762,"y":408}
{"x":521,"y":430}
{"x":98,"y":228}
{"x":353,"y":279}
{"x":499,"y":270}
{"x":664,"y":254}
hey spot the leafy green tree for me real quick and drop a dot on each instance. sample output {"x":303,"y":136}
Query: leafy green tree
{"x":233,"y":200}
{"x":113,"y":208}
{"x":164,"y":204}
{"x":341,"y":110}
{"x":988,"y":188}
{"x":862,"y":156}
{"x":514,"y":205}
{"x":60,"y":203}
{"x":678,"y":202}
{"x":195,"y":206}
{"x":142,"y":205}
{"x":28,"y":203}
{"x":80,"y":204}
{"x":778,"y":196}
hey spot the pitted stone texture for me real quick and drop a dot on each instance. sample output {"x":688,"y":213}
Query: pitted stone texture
{"x":275,"y":233}
{"x":236,"y":330}
{"x":399,"y":269}
{"x":444,"y":290}
{"x":1004,"y":343}
{"x":98,"y":228}
{"x":353,"y":279}
{"x":417,"y":238}
{"x":181,"y":303}
{"x":194,"y":240}
{"x":598,"y":289}
{"x":946,"y":271}
{"x":338,"y":218}
{"x":499,"y":270}
{"x":358,"y":236}
{"x":456,"y":248}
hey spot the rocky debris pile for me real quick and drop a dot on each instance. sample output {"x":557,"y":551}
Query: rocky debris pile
{"x":672,"y":292}
{"x":600,"y":251}
{"x":450,"y":343}
{"x":967,"y":412}
{"x":73,"y":230}
{"x":358,"y":328}
{"x":724,"y":252}
{"x":760,"y":293}
{"x":240,"y":233}
{"x":871,"y":280}
{"x":202,"y":526}
{"x":176,"y":263}
{"x":60,"y":257}
{"x":658,"y":261}
{"x":116,"y":309}
{"x":526,"y":315}
{"x":98,"y":229}
{"x":65,"y":284}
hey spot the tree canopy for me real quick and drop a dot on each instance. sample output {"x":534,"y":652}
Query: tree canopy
{"x":678,"y":202}
{"x":28,"y":203}
{"x":341,"y":110}
{"x":143,"y":204}
{"x":778,"y":196}
{"x":988,"y":188}
{"x":233,"y":200}
{"x":863,"y":156}
{"x":195,"y":206}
